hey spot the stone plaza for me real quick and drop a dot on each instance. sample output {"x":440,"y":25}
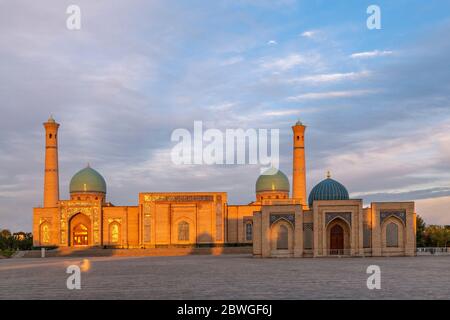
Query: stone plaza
{"x":225,"y":277}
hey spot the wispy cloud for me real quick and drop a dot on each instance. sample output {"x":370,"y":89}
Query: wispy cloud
{"x":289,"y":112}
{"x":222,"y":106}
{"x":290,"y":61}
{"x":371,"y":54}
{"x":329,"y":95}
{"x":331,"y":77}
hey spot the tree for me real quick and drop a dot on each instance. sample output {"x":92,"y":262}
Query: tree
{"x":5,"y":233}
{"x":17,"y":241}
{"x":420,"y":232}
{"x":437,"y":236}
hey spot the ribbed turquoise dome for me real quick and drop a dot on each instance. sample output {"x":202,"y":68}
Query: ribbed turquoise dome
{"x":328,"y":189}
{"x":272,"y":180}
{"x":87,"y":180}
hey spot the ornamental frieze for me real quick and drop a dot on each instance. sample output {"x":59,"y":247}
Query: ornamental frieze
{"x":274,"y":217}
{"x":346,"y":216}
{"x":180,"y":198}
{"x":78,"y":203}
{"x":401,"y":214}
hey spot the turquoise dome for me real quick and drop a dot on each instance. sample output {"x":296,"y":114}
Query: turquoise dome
{"x":328,"y":189}
{"x":87,"y":180}
{"x":272,"y":180}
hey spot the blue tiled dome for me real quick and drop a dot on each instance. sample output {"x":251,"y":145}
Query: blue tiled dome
{"x":328,"y":189}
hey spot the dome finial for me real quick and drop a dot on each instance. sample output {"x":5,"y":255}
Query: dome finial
{"x":298,"y":123}
{"x":50,"y":119}
{"x":328,"y":174}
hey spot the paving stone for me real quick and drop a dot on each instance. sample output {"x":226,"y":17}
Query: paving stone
{"x":226,"y":277}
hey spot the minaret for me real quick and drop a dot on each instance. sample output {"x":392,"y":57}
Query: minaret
{"x":51,"y":177}
{"x":299,"y":172}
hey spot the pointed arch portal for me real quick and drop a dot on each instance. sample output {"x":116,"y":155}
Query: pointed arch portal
{"x":336,"y":239}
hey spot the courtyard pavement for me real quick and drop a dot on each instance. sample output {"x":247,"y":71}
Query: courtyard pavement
{"x":225,"y":277}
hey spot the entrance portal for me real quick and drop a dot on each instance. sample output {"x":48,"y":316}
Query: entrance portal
{"x":337,"y":240}
{"x":80,"y":235}
{"x":80,"y":230}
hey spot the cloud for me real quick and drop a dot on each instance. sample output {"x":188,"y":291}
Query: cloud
{"x":226,"y":106}
{"x":120,"y":87}
{"x":289,"y":112}
{"x":433,"y":204}
{"x":309,"y":34}
{"x":434,"y":210}
{"x":406,"y":165}
{"x":413,"y":195}
{"x":290,"y":61}
{"x":371,"y":54}
{"x":272,"y":43}
{"x":329,"y":95}
{"x":331,"y":77}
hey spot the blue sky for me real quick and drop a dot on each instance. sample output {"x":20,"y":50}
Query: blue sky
{"x":376,"y":102}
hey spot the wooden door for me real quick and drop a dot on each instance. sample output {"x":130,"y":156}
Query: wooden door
{"x":336,"y":240}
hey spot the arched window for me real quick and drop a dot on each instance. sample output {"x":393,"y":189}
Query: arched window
{"x":248,"y":232}
{"x":183,"y":231}
{"x":282,"y":240}
{"x":392,"y":235}
{"x":45,"y":233}
{"x":308,"y":236}
{"x":114,"y":232}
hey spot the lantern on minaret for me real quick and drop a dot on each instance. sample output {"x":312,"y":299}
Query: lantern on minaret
{"x":51,"y":176}
{"x":299,"y":166}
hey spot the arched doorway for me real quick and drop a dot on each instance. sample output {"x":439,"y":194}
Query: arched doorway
{"x":44,"y":235}
{"x":393,"y":237}
{"x":282,"y":238}
{"x":115,"y":234}
{"x":336,"y":240}
{"x":80,"y":235}
{"x":183,"y":231}
{"x":80,"y":230}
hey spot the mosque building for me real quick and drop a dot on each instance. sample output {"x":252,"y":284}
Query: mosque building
{"x":277,"y":224}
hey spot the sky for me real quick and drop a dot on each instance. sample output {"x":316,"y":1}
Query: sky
{"x":376,"y":102}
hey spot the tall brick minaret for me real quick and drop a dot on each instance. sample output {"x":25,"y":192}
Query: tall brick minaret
{"x":299,"y":171}
{"x":51,"y":177}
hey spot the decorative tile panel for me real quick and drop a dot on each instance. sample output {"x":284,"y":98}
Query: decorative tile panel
{"x":401,"y":214}
{"x":346,"y":216}
{"x":290,"y":217}
{"x":308,"y":226}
